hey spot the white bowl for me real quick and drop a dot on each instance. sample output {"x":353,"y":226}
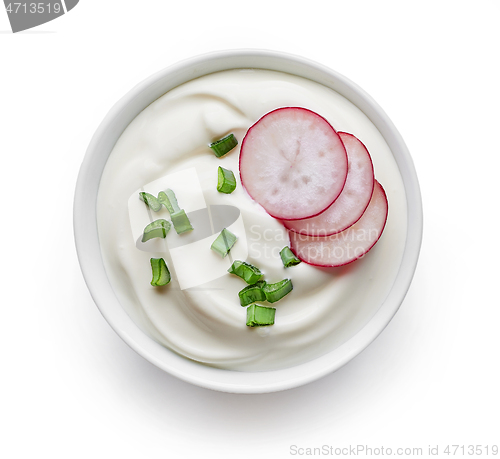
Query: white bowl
{"x":89,"y":253}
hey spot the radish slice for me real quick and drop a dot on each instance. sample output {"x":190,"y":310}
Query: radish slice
{"x":293,"y":163}
{"x":349,"y":245}
{"x":352,"y":202}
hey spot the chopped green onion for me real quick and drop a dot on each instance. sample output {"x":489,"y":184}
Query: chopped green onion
{"x":252,"y":293}
{"x":179,"y":218}
{"x":249,"y":273}
{"x":150,"y":201}
{"x":159,"y":228}
{"x":258,"y":316}
{"x":288,"y":258}
{"x":224,"y":145}
{"x":181,"y":222}
{"x":224,"y":242}
{"x":274,"y":292}
{"x":161,"y":274}
{"x":226,"y":182}
{"x":168,"y":199}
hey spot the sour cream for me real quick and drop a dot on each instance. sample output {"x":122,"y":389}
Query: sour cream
{"x":198,"y":314}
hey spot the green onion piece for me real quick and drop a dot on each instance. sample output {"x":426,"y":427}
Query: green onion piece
{"x":274,"y":292}
{"x":168,"y":199}
{"x":252,"y":293}
{"x":224,"y":145}
{"x":226,"y":182}
{"x":181,"y":222}
{"x":150,"y":200}
{"x":161,"y":274}
{"x":159,"y":228}
{"x":179,"y":218}
{"x":288,"y":258}
{"x":258,"y":316}
{"x":224,"y":242}
{"x":249,"y":273}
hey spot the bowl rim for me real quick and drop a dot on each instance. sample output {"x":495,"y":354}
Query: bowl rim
{"x":87,"y":241}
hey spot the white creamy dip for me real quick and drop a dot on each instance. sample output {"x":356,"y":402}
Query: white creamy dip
{"x":198,"y":314}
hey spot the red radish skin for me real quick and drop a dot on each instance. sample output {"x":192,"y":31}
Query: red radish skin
{"x":349,"y":245}
{"x":293,"y":163}
{"x":352,"y":202}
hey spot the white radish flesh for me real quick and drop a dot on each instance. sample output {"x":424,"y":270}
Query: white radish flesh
{"x":352,"y":202}
{"x":293,"y":163}
{"x":349,"y":245}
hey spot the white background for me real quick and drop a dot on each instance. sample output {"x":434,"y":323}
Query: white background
{"x":70,"y":388}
